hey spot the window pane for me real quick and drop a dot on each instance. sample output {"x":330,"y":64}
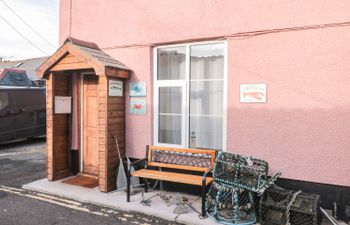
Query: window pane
{"x":206,"y":97}
{"x":206,"y":132}
{"x":3,"y":100}
{"x":170,"y":100}
{"x":172,"y":63}
{"x":16,"y":79}
{"x":169,"y":131}
{"x":207,"y":61}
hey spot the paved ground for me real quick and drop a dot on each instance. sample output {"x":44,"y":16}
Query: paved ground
{"x":24,"y":162}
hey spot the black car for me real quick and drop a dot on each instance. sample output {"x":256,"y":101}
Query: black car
{"x":22,"y":109}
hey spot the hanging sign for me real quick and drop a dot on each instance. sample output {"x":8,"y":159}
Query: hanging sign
{"x":115,"y":88}
{"x":137,"y":89}
{"x":63,"y":104}
{"x":138,"y":106}
{"x":253,"y":93}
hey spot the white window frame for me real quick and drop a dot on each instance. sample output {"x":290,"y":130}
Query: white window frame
{"x":185,"y":97}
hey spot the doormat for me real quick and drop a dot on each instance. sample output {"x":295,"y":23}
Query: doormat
{"x":83,"y":181}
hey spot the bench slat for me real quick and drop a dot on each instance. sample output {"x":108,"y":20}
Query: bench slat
{"x":171,"y":176}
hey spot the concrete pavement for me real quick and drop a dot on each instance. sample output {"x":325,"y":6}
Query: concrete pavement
{"x":25,"y":161}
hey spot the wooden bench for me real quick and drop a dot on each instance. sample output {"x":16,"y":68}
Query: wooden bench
{"x":180,"y":160}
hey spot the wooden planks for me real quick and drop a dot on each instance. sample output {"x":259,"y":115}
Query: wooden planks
{"x":180,"y":167}
{"x":115,"y":127}
{"x":58,"y":157}
{"x":49,"y":128}
{"x":110,"y":121}
{"x":91,"y":129}
{"x":102,"y":133}
{"x":172,"y":177}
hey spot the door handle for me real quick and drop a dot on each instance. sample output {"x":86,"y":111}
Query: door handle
{"x":22,"y":110}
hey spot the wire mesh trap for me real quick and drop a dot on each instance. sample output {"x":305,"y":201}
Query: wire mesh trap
{"x":244,"y":172}
{"x":230,"y":205}
{"x":230,"y":199}
{"x":278,"y":206}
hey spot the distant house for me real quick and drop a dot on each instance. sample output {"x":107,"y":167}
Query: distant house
{"x":28,"y":65}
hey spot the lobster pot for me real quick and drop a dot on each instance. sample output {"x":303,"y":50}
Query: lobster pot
{"x":240,"y":171}
{"x":273,"y":208}
{"x":229,"y":205}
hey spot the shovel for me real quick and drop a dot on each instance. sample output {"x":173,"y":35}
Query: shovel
{"x":121,"y":175}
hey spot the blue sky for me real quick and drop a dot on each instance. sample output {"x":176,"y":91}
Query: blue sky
{"x":42,"y":15}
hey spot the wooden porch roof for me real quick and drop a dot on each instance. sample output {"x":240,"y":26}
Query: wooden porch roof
{"x":76,"y":54}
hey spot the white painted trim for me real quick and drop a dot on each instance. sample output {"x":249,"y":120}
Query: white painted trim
{"x":187,"y":99}
{"x":182,"y":85}
{"x":155,"y":97}
{"x":225,"y":97}
{"x":160,"y":83}
{"x":206,"y":115}
{"x":190,"y":43}
{"x":169,"y":114}
{"x":201,"y":80}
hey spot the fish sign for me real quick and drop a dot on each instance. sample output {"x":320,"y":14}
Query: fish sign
{"x":253,"y":93}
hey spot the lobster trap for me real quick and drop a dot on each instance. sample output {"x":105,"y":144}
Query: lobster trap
{"x":230,"y":205}
{"x":243,"y":172}
{"x":230,"y":199}
{"x":278,"y":206}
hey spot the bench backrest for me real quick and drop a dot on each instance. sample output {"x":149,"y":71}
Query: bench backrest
{"x":185,"y":159}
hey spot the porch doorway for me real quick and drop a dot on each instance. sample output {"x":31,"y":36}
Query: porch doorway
{"x":80,"y":138}
{"x":89,"y":128}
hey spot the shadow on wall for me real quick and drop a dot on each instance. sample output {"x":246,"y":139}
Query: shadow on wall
{"x":310,"y":145}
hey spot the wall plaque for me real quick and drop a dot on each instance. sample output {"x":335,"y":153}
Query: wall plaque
{"x":63,"y":104}
{"x":115,"y":88}
{"x":253,"y":93}
{"x":138,"y":106}
{"x":137,"y":89}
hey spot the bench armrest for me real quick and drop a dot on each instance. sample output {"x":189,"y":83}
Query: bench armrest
{"x":135,"y":163}
{"x":204,"y":178}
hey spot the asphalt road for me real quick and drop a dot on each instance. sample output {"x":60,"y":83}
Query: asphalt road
{"x":24,"y":162}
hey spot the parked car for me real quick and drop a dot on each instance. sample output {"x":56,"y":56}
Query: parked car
{"x":22,"y":112}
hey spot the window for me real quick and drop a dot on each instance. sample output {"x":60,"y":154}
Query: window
{"x":16,"y":79}
{"x":190,"y":95}
{"x":4,"y":101}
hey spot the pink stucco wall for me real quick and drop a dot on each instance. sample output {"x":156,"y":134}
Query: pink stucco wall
{"x":303,"y":130}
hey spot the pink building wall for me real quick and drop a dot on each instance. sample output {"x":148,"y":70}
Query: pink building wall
{"x":303,"y":130}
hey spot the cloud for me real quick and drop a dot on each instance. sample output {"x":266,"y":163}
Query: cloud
{"x":42,"y":15}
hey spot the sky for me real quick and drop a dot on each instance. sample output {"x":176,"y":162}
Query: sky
{"x":41,"y":15}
